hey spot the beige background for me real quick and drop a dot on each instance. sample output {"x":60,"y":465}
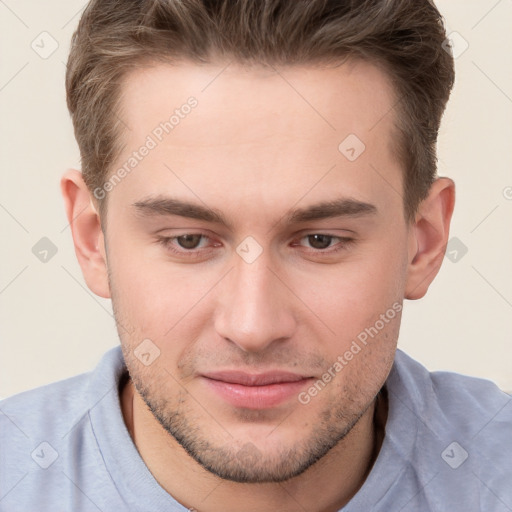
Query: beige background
{"x":52,"y":327}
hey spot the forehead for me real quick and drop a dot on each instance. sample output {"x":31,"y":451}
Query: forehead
{"x":259,"y":129}
{"x":355,"y":94}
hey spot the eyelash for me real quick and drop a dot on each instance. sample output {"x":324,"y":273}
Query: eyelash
{"x":343,"y":244}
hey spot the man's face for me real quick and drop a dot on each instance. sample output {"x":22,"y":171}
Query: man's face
{"x":268,"y":283}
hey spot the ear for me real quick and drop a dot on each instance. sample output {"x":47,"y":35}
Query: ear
{"x":428,"y":237}
{"x":87,"y":233}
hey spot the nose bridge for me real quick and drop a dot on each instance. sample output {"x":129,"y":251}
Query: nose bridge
{"x":254,"y":309}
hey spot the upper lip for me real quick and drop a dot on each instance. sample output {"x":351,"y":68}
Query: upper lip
{"x":254,"y":379}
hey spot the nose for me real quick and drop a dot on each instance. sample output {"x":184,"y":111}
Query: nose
{"x":255,"y":308}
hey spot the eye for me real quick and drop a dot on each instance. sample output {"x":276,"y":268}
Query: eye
{"x":189,"y":241}
{"x":192,"y":245}
{"x":324,"y":244}
{"x":319,"y":241}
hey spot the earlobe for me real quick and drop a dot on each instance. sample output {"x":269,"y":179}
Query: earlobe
{"x":87,"y":233}
{"x":428,"y":237}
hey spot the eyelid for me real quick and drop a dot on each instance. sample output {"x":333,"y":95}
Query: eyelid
{"x":200,"y":254}
{"x":328,"y":231}
{"x":175,"y":237}
{"x":343,"y":242}
{"x":191,"y":254}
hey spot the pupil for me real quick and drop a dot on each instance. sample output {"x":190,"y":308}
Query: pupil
{"x":189,"y":241}
{"x":319,"y":241}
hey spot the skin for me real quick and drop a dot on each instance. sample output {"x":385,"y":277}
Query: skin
{"x":254,"y":150}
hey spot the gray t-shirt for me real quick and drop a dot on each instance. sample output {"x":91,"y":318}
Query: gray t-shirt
{"x":447,"y":447}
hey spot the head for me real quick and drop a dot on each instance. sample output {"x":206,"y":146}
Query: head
{"x":258,"y":193}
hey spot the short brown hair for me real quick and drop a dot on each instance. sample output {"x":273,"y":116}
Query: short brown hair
{"x":404,"y":37}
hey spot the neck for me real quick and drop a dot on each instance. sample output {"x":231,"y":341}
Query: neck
{"x":325,"y":487}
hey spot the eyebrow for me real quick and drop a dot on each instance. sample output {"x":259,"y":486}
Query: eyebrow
{"x":342,"y":207}
{"x":171,"y":206}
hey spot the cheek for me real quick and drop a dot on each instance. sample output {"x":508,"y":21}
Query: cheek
{"x":361,"y":302}
{"x":139,"y":294}
{"x":361,"y":355}
{"x":351,"y":296}
{"x":144,"y":284}
{"x":160,"y":302}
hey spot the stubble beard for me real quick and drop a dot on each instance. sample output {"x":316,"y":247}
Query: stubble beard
{"x":240,"y":460}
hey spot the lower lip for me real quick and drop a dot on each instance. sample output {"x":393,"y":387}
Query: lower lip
{"x":256,"y":397}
